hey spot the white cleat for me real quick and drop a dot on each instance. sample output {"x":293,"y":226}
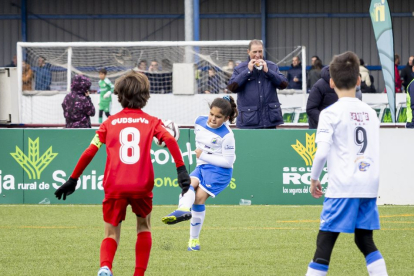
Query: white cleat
{"x":104,"y":271}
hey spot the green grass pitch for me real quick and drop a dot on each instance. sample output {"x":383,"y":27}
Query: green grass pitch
{"x":235,"y":240}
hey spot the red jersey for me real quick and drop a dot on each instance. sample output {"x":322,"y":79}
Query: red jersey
{"x":128,"y":136}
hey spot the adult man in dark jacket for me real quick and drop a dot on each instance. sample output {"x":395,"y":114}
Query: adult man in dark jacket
{"x":320,"y":97}
{"x":294,"y":75}
{"x":255,"y":81}
{"x":406,"y":73}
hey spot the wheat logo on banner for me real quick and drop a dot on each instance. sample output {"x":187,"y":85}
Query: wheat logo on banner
{"x":308,"y":152}
{"x":33,"y":165}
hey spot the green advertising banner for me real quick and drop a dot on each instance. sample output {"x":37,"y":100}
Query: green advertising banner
{"x":272,"y":167}
{"x":10,"y":172}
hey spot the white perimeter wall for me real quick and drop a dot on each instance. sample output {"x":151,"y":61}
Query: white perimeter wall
{"x":396,"y":163}
{"x":182,"y":109}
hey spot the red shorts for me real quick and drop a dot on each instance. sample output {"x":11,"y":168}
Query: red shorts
{"x":114,"y":209}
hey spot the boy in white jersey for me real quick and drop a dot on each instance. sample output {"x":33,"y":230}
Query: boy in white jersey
{"x":348,"y":138}
{"x":215,"y":157}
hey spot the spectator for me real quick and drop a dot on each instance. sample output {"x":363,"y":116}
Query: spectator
{"x":237,"y":63}
{"x":228,"y":71}
{"x":166,"y":65}
{"x":27,"y":77}
{"x":320,"y":97}
{"x":406,"y":73}
{"x":398,"y":81}
{"x":43,"y":77}
{"x":294,"y":75}
{"x":213,"y":83}
{"x":166,"y":76}
{"x":256,"y":81}
{"x":77,"y":105}
{"x":315,"y":58}
{"x":410,"y":103}
{"x":154,"y":66}
{"x":155,"y":78}
{"x":367,"y":80}
{"x":142,"y":66}
{"x":13,"y":63}
{"x":314,"y":73}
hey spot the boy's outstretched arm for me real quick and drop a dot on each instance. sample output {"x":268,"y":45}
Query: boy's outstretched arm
{"x":182,"y":175}
{"x":69,"y":186}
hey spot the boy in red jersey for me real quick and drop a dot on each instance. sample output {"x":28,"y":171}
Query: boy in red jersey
{"x":129,"y":174}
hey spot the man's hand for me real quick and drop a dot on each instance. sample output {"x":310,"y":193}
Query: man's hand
{"x":316,"y":188}
{"x":251,"y":63}
{"x":183,"y":179}
{"x":264,"y":64}
{"x":66,"y":189}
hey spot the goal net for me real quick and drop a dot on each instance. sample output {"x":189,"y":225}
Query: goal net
{"x":45,"y":71}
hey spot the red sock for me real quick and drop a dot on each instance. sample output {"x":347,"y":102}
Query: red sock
{"x":108,"y":249}
{"x":142,"y":252}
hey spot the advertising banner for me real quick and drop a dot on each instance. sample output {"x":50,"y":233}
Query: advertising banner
{"x":382,"y":24}
{"x":272,"y":167}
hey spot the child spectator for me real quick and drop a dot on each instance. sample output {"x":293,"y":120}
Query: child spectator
{"x":77,"y":105}
{"x":106,"y":89}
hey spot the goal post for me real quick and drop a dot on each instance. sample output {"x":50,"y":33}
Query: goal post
{"x":54,"y":64}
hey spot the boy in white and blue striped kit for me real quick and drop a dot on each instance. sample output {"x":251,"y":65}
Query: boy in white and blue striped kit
{"x":215,"y":151}
{"x":348,"y":139}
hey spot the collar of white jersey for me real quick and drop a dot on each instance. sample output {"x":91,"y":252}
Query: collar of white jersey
{"x":348,"y":99}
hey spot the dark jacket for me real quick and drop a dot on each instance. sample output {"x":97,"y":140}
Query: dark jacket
{"x":257,"y":100}
{"x":43,"y":77}
{"x":77,"y":108}
{"x":314,"y":76}
{"x":406,"y":75}
{"x":295,"y":71}
{"x":320,"y":97}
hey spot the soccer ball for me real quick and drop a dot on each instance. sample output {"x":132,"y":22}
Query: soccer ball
{"x":172,"y":129}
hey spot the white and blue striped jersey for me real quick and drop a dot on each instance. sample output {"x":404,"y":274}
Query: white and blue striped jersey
{"x":218,"y":144}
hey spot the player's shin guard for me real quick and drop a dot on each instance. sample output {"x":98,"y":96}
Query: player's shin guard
{"x":187,"y":200}
{"x":108,"y":249}
{"x":198,"y":213}
{"x":142,"y":252}
{"x":315,"y":269}
{"x":376,"y":264}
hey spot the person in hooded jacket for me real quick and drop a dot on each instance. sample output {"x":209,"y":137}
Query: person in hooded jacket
{"x":77,"y":105}
{"x":320,"y":97}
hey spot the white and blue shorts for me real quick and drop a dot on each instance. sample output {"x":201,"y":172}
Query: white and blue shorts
{"x":213,"y":180}
{"x":344,"y":215}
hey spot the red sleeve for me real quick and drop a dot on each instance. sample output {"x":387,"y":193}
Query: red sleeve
{"x":102,"y":132}
{"x":84,"y":160}
{"x":173,"y":148}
